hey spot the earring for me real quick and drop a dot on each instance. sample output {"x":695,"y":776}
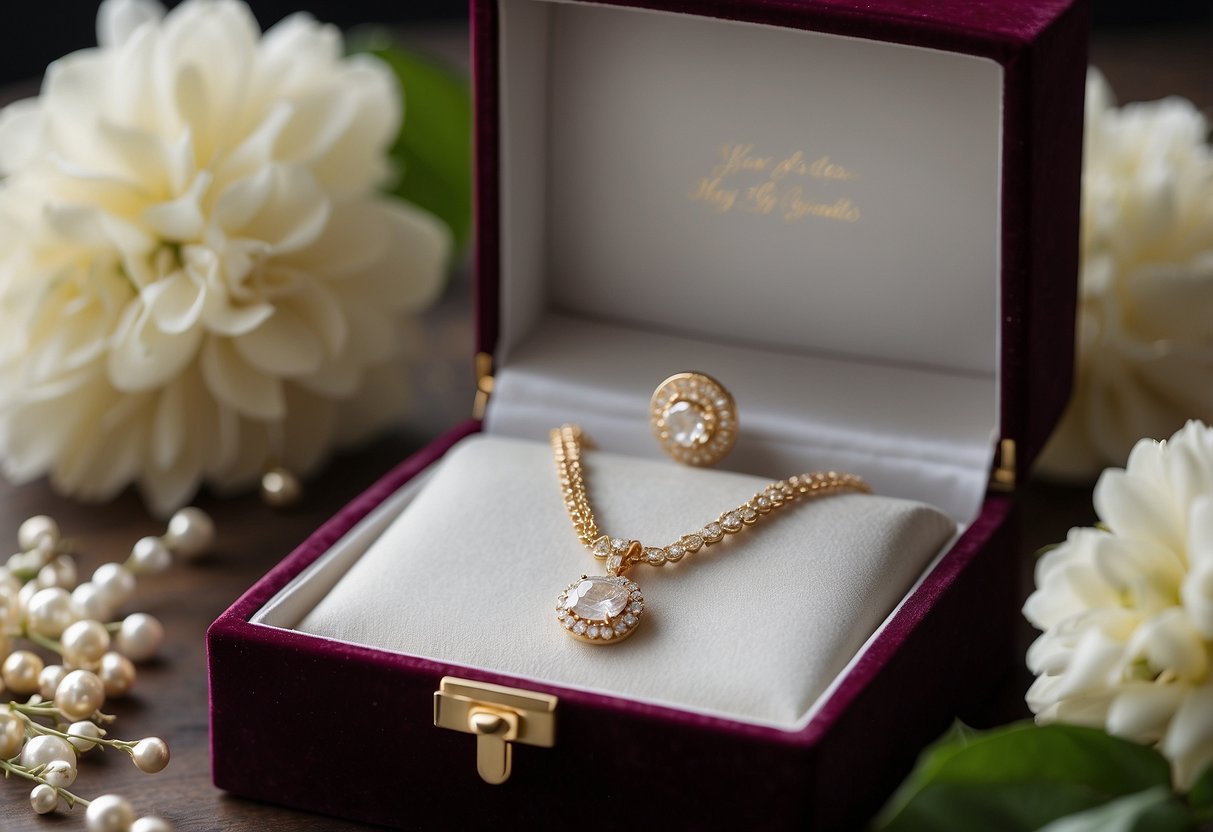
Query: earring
{"x":694,"y":418}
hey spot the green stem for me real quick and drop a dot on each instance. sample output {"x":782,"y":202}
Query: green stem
{"x":29,"y":774}
{"x":38,"y":728}
{"x":43,"y":641}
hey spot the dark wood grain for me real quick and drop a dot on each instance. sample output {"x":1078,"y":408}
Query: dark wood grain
{"x":170,"y":698}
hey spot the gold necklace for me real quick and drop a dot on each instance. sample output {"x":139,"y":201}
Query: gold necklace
{"x":604,"y":609}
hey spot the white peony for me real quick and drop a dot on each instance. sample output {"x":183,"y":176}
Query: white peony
{"x":1145,"y":324}
{"x":197,"y":278}
{"x":1127,"y":609}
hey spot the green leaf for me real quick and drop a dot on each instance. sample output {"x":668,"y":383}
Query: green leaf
{"x":1200,"y":796}
{"x":1019,"y":778}
{"x":1154,"y":810}
{"x":434,"y":148}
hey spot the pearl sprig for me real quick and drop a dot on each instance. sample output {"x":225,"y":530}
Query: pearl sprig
{"x":43,"y":736}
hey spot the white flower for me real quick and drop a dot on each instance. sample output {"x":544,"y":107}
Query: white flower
{"x":1145,"y":323}
{"x":197,"y":278}
{"x":1127,"y":609}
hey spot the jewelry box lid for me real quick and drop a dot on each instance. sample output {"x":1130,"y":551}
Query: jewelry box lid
{"x":1028,"y":59}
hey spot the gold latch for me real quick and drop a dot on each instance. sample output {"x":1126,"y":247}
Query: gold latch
{"x":484,"y":384}
{"x":498,"y":716}
{"x":1003,"y":478}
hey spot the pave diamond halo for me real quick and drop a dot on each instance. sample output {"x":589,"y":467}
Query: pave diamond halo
{"x":600,"y":609}
{"x":694,"y":418}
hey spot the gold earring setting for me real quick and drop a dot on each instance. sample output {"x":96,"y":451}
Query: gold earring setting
{"x":694,"y":418}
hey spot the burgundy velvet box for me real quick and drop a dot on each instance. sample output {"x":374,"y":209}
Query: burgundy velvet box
{"x":285,"y":704}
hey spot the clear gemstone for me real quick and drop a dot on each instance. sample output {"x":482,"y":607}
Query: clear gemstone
{"x":592,"y":632}
{"x":686,"y":424}
{"x":731,"y":522}
{"x":569,"y":623}
{"x":712,"y":529}
{"x":633,"y":586}
{"x":614,"y":563}
{"x":763,"y":502}
{"x":618,"y":544}
{"x":606,"y":632}
{"x":748,"y":514}
{"x":675,"y":551}
{"x":602,"y":547}
{"x":620,"y":627}
{"x":630,"y":620}
{"x":654,"y":556}
{"x":635,"y":606}
{"x":598,"y":598}
{"x":636,"y":596}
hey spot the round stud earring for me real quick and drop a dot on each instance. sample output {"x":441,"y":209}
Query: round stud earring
{"x":694,"y":418}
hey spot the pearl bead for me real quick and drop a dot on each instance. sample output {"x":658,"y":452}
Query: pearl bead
{"x":116,"y":582}
{"x":12,"y":735}
{"x":43,"y":748}
{"x":139,"y":637}
{"x":36,"y":529}
{"x":60,"y":773}
{"x":151,"y":823}
{"x":190,"y":532}
{"x":149,"y":555}
{"x":150,"y":755}
{"x":90,"y":601}
{"x":83,"y":734}
{"x":20,"y":672}
{"x":50,"y":611}
{"x":85,"y":642}
{"x":80,"y":694}
{"x":280,"y":488}
{"x":109,"y":813}
{"x":59,"y":572}
{"x":49,"y":679}
{"x":27,"y":594}
{"x":10,"y":614}
{"x":117,"y":674}
{"x":43,"y":799}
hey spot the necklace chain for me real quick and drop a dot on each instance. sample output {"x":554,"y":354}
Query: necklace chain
{"x":621,"y":553}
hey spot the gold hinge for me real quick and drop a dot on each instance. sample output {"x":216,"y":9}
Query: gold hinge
{"x":498,"y":716}
{"x":1003,"y":478}
{"x":484,"y":384}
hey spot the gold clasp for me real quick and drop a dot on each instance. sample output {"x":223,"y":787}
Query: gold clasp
{"x":498,"y":716}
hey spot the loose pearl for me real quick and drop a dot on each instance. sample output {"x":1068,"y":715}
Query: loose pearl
{"x":149,"y":555}
{"x":50,"y":612}
{"x":90,"y":601}
{"x":20,"y":672}
{"x":43,"y":799}
{"x":80,"y":694}
{"x":150,"y":755}
{"x":83,"y":734}
{"x":109,"y":813}
{"x":59,"y":572}
{"x":190,"y":532}
{"x":280,"y":488}
{"x":49,"y":679}
{"x":85,"y":642}
{"x":151,"y":823}
{"x":36,"y":529}
{"x":60,"y":773}
{"x":140,"y":636}
{"x":117,"y":674}
{"x":27,"y":594}
{"x":43,"y":748}
{"x":12,"y":735}
{"x":116,"y":582}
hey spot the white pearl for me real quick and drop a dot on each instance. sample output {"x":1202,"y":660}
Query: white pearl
{"x":43,"y":748}
{"x":50,"y":611}
{"x":280,"y":488}
{"x":85,"y":642}
{"x":139,"y":637}
{"x":8,"y":581}
{"x":89,"y":601}
{"x":117,"y":674}
{"x":36,"y":529}
{"x":190,"y":532}
{"x":59,"y":572}
{"x":83,"y":734}
{"x":27,"y":594}
{"x":20,"y":672}
{"x":43,"y":799}
{"x":60,"y":773}
{"x":116,"y":581}
{"x":10,"y":614}
{"x":12,"y":735}
{"x":80,"y":694}
{"x":109,"y":813}
{"x":49,"y":679}
{"x":149,"y":555}
{"x":151,"y":823}
{"x":150,"y":755}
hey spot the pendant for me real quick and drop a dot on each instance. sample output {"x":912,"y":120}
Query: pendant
{"x":600,"y":609}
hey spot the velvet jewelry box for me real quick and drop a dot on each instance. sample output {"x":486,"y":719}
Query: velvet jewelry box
{"x":863,"y":218}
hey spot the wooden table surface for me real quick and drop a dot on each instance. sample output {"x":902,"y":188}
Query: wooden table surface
{"x":170,"y":696}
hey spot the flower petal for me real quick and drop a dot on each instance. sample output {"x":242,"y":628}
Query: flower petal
{"x":233,"y":382}
{"x":143,"y":356}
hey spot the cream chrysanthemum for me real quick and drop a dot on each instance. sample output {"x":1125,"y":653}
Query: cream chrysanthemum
{"x":197,"y":277}
{"x":1145,"y":324}
{"x":1127,"y":609}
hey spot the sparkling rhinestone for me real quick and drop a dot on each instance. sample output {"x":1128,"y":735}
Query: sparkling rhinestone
{"x":675,"y":552}
{"x":633,"y":586}
{"x":748,"y":515}
{"x":637,"y":596}
{"x":711,"y":530}
{"x":579,"y":628}
{"x":763,"y":502}
{"x":618,"y":544}
{"x":598,"y":598}
{"x":630,"y":620}
{"x":602,"y":547}
{"x":635,"y":607}
{"x":614,"y":563}
{"x":731,"y":521}
{"x":620,"y":627}
{"x":654,"y":556}
{"x":569,"y":623}
{"x":592,"y":632}
{"x":692,"y":542}
{"x":686,"y":424}
{"x":606,"y":632}
{"x":722,"y":403}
